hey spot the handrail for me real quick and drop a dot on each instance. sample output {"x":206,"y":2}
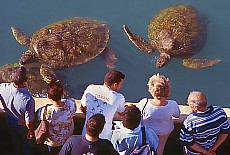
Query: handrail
{"x":185,"y":110}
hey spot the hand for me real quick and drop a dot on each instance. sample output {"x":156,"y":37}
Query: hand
{"x":30,"y":134}
{"x":83,"y":109}
{"x":210,"y":152}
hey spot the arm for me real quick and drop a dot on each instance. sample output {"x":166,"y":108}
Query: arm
{"x":83,"y":109}
{"x":176,"y":110}
{"x":221,"y":138}
{"x":83,"y":100}
{"x":30,"y":117}
{"x":121,"y":104}
{"x":30,"y":126}
{"x":198,"y":148}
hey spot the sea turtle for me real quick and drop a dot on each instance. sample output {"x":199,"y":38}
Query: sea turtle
{"x":176,"y":31}
{"x":35,"y":83}
{"x":66,"y":43}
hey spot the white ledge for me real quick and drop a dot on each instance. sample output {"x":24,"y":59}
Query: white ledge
{"x":185,"y":110}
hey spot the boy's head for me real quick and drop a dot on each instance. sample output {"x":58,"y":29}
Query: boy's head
{"x":55,"y":90}
{"x":131,"y":117}
{"x":95,"y":125}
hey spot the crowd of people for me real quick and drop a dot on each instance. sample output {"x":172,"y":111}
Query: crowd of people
{"x":202,"y":132}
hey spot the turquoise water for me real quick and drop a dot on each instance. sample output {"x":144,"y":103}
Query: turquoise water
{"x":138,"y":66}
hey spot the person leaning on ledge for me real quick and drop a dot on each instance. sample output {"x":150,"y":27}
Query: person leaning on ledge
{"x":20,"y":109}
{"x":104,"y":99}
{"x":205,"y":128}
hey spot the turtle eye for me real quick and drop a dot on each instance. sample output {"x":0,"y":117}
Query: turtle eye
{"x":176,"y":45}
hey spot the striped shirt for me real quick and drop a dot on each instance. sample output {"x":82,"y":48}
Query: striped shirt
{"x":203,"y":128}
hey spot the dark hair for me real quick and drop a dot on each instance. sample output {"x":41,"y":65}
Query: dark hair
{"x":113,"y":76}
{"x":131,"y":117}
{"x":95,"y":125}
{"x":55,"y":90}
{"x":18,"y":75}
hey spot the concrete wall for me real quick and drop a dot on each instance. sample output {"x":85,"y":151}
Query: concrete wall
{"x":172,"y":145}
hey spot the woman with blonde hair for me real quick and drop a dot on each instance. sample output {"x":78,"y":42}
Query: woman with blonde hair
{"x":158,"y":112}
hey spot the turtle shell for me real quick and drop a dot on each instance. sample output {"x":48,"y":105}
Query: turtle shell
{"x":183,"y":25}
{"x":69,"y":42}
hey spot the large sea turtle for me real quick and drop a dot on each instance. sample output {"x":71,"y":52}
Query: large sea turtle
{"x":35,"y":83}
{"x":176,"y":31}
{"x":66,"y":43}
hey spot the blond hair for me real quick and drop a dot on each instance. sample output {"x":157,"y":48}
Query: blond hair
{"x":159,"y":86}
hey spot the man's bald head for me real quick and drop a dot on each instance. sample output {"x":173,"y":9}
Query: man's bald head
{"x":197,"y":99}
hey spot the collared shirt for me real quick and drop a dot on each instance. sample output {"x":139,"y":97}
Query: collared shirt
{"x":18,"y":101}
{"x":203,"y":128}
{"x":125,"y":140}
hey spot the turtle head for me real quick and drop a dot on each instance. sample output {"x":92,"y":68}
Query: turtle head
{"x":163,"y":60}
{"x":27,"y":57}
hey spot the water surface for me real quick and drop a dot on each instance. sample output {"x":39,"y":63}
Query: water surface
{"x":138,"y":66}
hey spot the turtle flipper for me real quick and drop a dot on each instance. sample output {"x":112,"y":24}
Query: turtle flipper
{"x":199,"y":63}
{"x":109,"y":57}
{"x":20,"y":36}
{"x":138,"y":41}
{"x":48,"y":74}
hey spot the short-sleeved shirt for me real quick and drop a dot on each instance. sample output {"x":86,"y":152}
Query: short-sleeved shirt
{"x":79,"y":145}
{"x":203,"y":128}
{"x":60,"y":119}
{"x":159,"y":117}
{"x":125,"y":140}
{"x":103,"y":100}
{"x":18,"y":101}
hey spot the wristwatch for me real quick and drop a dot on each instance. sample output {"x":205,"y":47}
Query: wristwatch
{"x":204,"y":151}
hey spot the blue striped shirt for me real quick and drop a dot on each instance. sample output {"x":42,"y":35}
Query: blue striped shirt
{"x":203,"y":128}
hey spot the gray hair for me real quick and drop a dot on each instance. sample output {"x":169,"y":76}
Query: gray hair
{"x":199,"y":99}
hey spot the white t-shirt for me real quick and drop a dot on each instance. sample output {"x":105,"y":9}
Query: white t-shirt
{"x":100,"y":99}
{"x":159,"y":117}
{"x":60,"y":119}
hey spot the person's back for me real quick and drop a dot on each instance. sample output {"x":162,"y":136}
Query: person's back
{"x":104,"y":99}
{"x":158,"y":111}
{"x":20,"y":108}
{"x":59,"y":116}
{"x":159,"y":117}
{"x":83,"y":146}
{"x":130,"y":135}
{"x":205,"y":128}
{"x":89,"y":143}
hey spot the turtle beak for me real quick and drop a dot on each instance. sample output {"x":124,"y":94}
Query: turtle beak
{"x":163,"y":60}
{"x":27,"y":57}
{"x":23,"y":60}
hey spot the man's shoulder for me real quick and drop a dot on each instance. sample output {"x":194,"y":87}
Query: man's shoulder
{"x":4,"y":86}
{"x":93,"y":86}
{"x":74,"y":139}
{"x":105,"y":143}
{"x":189,"y":118}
